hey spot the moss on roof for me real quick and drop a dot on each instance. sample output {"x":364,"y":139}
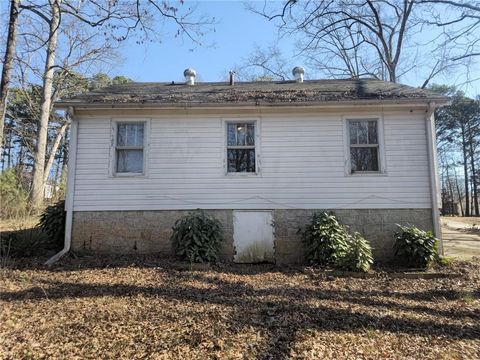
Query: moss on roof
{"x":312,"y":91}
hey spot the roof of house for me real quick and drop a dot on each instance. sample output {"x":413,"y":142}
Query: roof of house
{"x":310,"y":92}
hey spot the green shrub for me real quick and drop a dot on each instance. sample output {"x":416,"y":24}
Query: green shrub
{"x":52,"y":222}
{"x":416,"y":247}
{"x":325,"y":239}
{"x":196,"y":237}
{"x":13,"y":196}
{"x":359,"y":255}
{"x":328,"y":243}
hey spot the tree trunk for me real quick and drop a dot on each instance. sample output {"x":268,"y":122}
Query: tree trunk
{"x":475,"y":189}
{"x":450,"y":190}
{"x":54,"y":149}
{"x":444,"y":193}
{"x":472,"y":208}
{"x":9,"y":151}
{"x":465,"y":172}
{"x":392,"y":76}
{"x":38,"y":182}
{"x":20,"y":159}
{"x":7,"y":63}
{"x":452,"y":196}
{"x":462,"y":213}
{"x":55,"y":179}
{"x":474,"y":179}
{"x":63,"y":177}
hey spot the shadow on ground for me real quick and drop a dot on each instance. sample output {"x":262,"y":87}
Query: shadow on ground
{"x":283,"y":311}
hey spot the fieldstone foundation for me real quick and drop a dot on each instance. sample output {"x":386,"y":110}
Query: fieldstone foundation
{"x":376,"y":225}
{"x":143,"y":232}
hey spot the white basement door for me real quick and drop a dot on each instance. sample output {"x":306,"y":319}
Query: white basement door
{"x":253,"y":236}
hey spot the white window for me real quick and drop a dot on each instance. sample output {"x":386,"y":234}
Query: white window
{"x":364,"y":148}
{"x":241,"y":155}
{"x":129,"y":147}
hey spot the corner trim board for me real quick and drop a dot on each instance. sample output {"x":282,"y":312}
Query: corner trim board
{"x":434,"y":180}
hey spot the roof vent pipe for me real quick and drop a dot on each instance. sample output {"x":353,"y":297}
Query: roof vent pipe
{"x":298,"y":73}
{"x":232,"y":77}
{"x":190,"y":75}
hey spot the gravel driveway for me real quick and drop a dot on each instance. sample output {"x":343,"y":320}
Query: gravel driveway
{"x":461,"y":237}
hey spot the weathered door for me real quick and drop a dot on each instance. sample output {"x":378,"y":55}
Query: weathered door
{"x":253,"y":236}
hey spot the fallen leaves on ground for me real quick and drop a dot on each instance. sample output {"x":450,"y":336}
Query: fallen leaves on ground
{"x":145,"y":308}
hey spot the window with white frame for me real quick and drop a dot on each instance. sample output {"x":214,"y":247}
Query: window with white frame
{"x":129,"y":148}
{"x":364,"y":146}
{"x":241,"y":157}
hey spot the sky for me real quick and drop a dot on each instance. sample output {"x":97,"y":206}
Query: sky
{"x":236,"y":34}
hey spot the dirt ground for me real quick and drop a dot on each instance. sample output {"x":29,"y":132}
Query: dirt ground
{"x":143,"y":308}
{"x":461,"y":237}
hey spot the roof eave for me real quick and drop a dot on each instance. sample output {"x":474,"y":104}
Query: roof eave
{"x":439,"y":101}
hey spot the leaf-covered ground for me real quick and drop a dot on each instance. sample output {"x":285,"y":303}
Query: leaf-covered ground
{"x":145,"y":308}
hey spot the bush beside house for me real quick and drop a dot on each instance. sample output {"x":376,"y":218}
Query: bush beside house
{"x":328,"y":243}
{"x":197,"y":237}
{"x":415,"y":247}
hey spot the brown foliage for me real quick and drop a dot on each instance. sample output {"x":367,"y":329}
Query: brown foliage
{"x":146,"y":308}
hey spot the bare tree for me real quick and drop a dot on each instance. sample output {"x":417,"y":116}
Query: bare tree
{"x":381,"y":38}
{"x":263,"y":64}
{"x":341,"y":55}
{"x":473,"y":132}
{"x":45,"y":108}
{"x":116,"y":21}
{"x":7,"y":63}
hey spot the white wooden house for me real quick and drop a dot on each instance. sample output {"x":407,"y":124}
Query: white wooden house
{"x":259,"y":156}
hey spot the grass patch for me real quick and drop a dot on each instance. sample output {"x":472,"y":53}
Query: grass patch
{"x":444,"y":260}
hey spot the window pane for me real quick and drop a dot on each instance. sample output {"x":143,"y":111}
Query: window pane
{"x":139,"y":135}
{"x":121,"y":134}
{"x":251,"y":134}
{"x":362,"y":132}
{"x":364,"y":159}
{"x":353,"y":125}
{"x":241,"y":134}
{"x":241,"y":160}
{"x":372,"y":132}
{"x":129,"y":161}
{"x":131,"y":130}
{"x":231,"y":134}
{"x":130,"y":134}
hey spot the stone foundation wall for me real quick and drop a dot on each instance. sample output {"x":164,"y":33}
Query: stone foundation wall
{"x":142,"y":232}
{"x":376,"y":225}
{"x":124,"y":232}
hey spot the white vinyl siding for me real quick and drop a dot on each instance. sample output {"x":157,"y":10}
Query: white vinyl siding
{"x":303,"y":166}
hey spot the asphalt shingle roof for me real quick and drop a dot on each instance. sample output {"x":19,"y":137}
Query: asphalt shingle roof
{"x":254,"y":93}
